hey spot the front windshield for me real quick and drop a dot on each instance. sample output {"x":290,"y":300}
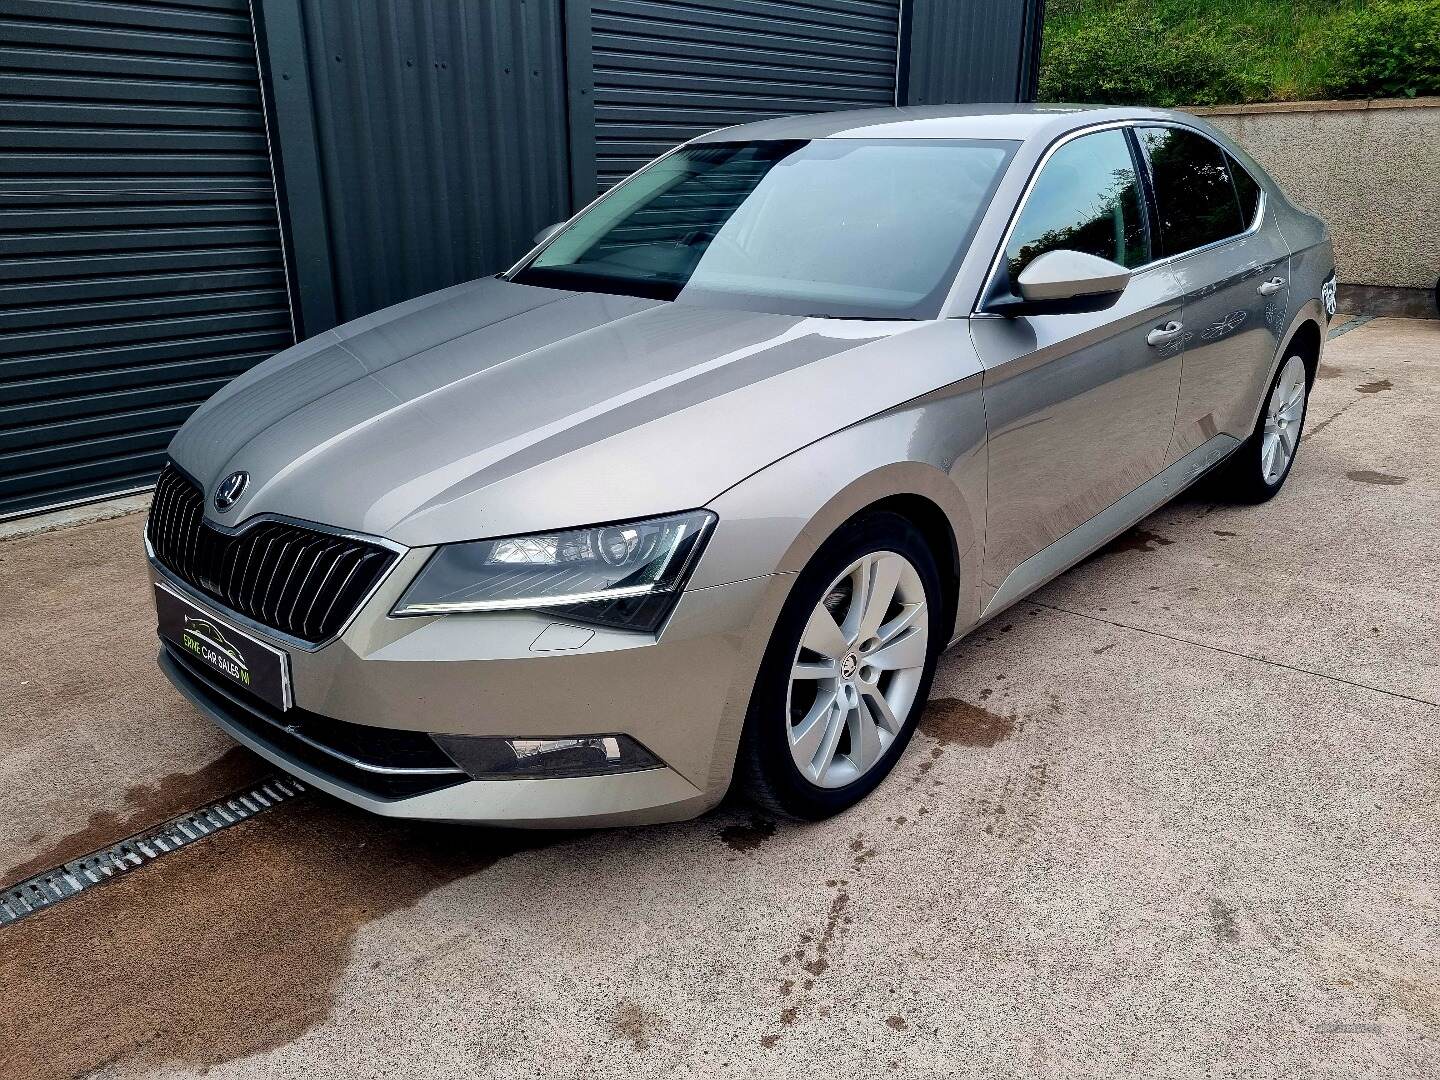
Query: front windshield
{"x":848,"y":228}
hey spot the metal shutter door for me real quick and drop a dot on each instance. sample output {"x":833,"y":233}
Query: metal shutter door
{"x":140,"y":260}
{"x":668,"y":70}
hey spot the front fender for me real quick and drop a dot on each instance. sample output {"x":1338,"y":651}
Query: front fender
{"x":934,"y":447}
{"x":773,"y":522}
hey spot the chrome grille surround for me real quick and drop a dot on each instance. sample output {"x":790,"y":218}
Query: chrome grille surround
{"x":302,"y":581}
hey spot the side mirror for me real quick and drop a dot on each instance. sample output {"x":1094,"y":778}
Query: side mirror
{"x":1065,"y":282}
{"x":547,"y":232}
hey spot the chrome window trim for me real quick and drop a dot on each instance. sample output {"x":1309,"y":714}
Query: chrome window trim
{"x":977,"y":307}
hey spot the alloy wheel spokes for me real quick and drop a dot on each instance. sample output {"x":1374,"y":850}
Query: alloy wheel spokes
{"x":880,"y":709}
{"x":902,"y":642}
{"x":1284,"y":413}
{"x":807,"y":737}
{"x":880,"y":576}
{"x":823,"y":634}
{"x":865,"y":742}
{"x":857,"y":670}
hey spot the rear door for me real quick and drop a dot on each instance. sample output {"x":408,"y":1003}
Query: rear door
{"x":1208,"y":214}
{"x":1080,"y":407}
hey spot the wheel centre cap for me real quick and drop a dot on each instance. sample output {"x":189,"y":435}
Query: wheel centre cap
{"x":848,"y":665}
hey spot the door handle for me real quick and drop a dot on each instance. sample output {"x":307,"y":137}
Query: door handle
{"x":1162,"y":334}
{"x":1271,"y":287}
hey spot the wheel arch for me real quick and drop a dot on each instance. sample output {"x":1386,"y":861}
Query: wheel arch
{"x":926,"y":460}
{"x":1305,"y":342}
{"x":775,"y":521}
{"x":939,"y":533}
{"x":1311,"y":313}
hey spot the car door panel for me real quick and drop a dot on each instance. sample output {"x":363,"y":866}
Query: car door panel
{"x":1080,"y":409}
{"x":1208,"y":214}
{"x":1234,"y":331}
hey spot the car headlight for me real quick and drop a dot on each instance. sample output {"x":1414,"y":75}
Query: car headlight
{"x":627,"y":575}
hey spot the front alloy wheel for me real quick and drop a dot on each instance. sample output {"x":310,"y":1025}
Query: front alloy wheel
{"x":847,"y":670}
{"x":858,"y":669}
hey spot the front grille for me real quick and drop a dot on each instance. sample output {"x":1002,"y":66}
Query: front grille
{"x":301,"y":582}
{"x":353,"y":754}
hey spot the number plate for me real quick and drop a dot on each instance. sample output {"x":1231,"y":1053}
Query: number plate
{"x":233,"y":654}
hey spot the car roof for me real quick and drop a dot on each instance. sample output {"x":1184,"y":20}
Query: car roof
{"x":985,"y":121}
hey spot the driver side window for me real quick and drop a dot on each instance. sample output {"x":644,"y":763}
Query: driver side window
{"x":1087,"y":198}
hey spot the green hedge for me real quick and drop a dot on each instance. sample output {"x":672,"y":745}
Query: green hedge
{"x":1389,"y":48}
{"x":1128,"y":55}
{"x":1217,"y":52}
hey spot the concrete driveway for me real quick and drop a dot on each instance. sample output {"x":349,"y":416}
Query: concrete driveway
{"x":1175,"y":816}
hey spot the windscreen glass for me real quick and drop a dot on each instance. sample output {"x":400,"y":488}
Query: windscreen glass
{"x":833,"y":227}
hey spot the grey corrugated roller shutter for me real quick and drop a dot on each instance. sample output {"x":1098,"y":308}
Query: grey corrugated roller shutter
{"x":140,"y":260}
{"x":668,"y":70}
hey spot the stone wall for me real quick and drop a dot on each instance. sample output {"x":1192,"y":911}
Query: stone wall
{"x":1371,"y":169}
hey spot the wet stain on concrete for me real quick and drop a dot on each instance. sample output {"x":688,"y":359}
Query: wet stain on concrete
{"x":1312,"y":431}
{"x":635,"y":1024}
{"x":826,"y":940}
{"x":1375,"y":387}
{"x":1025,"y":789}
{"x":952,"y":722}
{"x":1099,"y":649}
{"x":897,"y":1023}
{"x":863,"y":854}
{"x":1365,"y":476}
{"x":1224,"y":533}
{"x":1135,"y":540}
{"x":818,"y":948}
{"x":1223,"y":917}
{"x":227,"y":948}
{"x":748,"y":837}
{"x":146,"y":805}
{"x":1329,"y":371}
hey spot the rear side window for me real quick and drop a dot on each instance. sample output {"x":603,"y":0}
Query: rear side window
{"x":1195,"y":196}
{"x":1246,"y":188}
{"x":1086,"y":198}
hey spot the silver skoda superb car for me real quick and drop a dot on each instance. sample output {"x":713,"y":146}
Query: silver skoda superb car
{"x":697,"y":492}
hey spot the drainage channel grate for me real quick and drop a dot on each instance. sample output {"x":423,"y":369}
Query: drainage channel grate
{"x":50,"y":887}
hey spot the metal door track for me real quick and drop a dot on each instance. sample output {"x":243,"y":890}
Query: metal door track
{"x":51,"y":886}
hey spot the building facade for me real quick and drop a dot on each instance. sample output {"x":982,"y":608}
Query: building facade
{"x":189,"y":186}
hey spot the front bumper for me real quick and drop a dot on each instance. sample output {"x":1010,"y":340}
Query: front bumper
{"x":681,"y":694}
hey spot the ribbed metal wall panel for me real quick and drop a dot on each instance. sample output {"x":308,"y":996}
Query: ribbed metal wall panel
{"x":968,"y":50}
{"x":662,"y":71}
{"x":439,"y":132}
{"x":140,"y":259}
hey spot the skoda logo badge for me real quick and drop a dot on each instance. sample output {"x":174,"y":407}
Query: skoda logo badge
{"x":229,"y":489}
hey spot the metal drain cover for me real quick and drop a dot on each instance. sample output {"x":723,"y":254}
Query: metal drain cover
{"x":51,"y":886}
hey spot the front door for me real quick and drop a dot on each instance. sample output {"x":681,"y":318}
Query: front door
{"x":1080,"y":408}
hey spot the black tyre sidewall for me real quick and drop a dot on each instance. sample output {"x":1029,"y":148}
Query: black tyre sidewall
{"x":1248,"y":479}
{"x":767,"y":770}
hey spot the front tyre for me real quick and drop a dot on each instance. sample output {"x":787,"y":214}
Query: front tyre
{"x":1258,"y":469}
{"x":847,"y":671}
